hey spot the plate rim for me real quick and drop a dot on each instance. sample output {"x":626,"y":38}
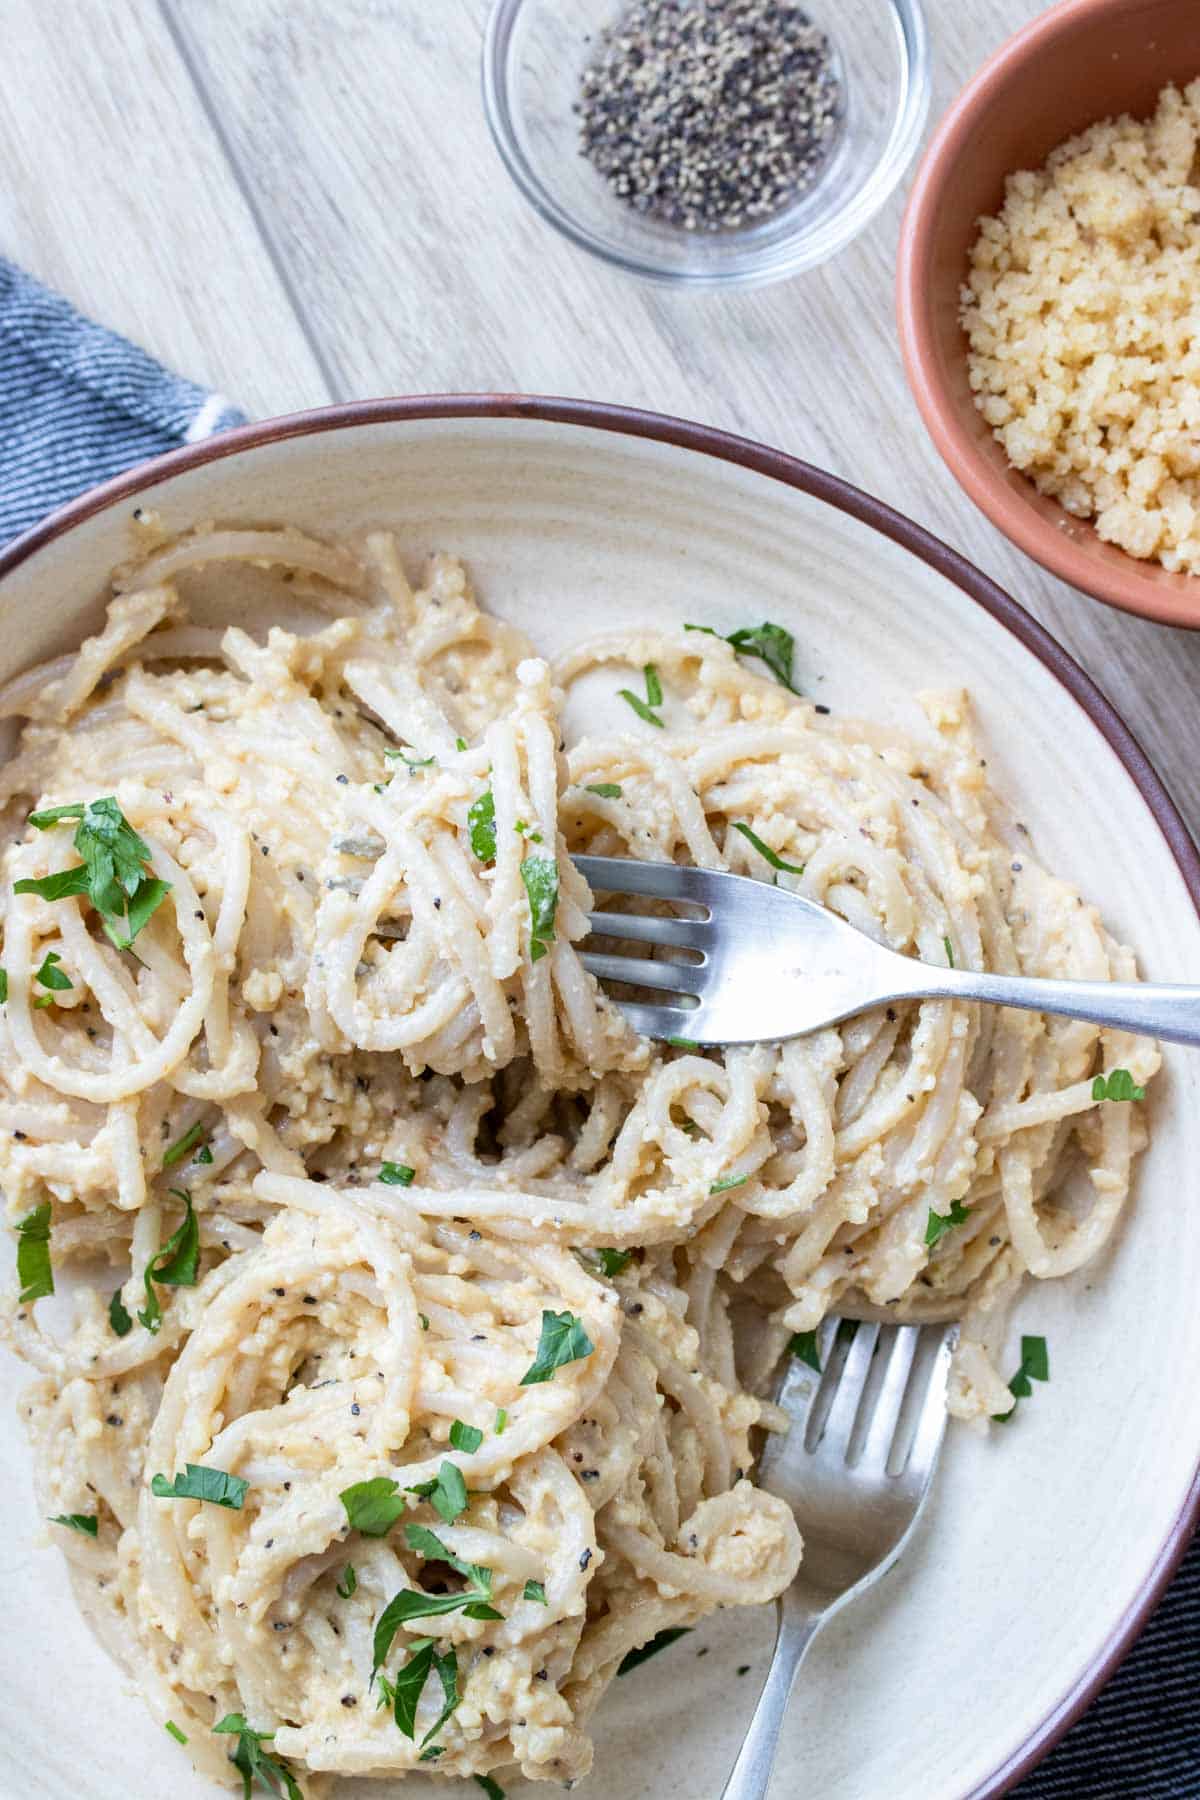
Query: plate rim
{"x":833,"y":490}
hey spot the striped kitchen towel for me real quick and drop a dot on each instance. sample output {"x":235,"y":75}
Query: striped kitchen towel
{"x":78,"y":404}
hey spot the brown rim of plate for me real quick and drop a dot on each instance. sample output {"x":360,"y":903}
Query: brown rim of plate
{"x":833,"y":491}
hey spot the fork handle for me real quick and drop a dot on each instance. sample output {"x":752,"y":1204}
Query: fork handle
{"x":751,"y":1775}
{"x":1152,"y":1010}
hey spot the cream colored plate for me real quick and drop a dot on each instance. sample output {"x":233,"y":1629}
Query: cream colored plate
{"x":1040,"y":1538}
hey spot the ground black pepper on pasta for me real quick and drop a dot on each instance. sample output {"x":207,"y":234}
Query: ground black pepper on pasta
{"x":710,"y":114}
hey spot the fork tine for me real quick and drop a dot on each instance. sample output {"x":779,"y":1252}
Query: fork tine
{"x":918,"y":1465}
{"x":665,"y":1022}
{"x":897,"y":1349}
{"x":830,"y":1428}
{"x":665,"y":881}
{"x":691,"y":934}
{"x":641,"y":971}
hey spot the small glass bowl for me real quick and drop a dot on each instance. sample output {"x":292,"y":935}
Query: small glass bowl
{"x":534,"y":54}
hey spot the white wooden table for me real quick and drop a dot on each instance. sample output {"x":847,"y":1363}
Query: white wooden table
{"x":298,"y":201}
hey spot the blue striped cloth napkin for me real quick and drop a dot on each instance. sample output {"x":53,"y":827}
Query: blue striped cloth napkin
{"x":78,"y":404}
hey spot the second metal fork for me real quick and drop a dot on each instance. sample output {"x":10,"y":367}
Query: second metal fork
{"x":856,"y":1469}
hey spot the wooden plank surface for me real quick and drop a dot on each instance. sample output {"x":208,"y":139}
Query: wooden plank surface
{"x":301,"y":196}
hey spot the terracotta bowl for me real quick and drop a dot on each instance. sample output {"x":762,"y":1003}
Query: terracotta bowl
{"x":1081,"y":61}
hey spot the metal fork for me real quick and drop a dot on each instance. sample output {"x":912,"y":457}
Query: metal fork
{"x":765,"y":963}
{"x":856,"y":1469}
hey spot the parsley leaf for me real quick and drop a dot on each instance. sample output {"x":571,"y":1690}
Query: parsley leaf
{"x":641,"y":709}
{"x":563,"y":1341}
{"x":1035,"y":1366}
{"x":34,"y":1271}
{"x":118,"y":1315}
{"x":199,"y":1483}
{"x":181,"y":1146}
{"x":172,"y":1729}
{"x":446,"y":1668}
{"x":680,"y":1043}
{"x":501,"y":1419}
{"x":411,"y":1603}
{"x":804,"y":1345}
{"x":460,"y":743}
{"x":535,"y":1591}
{"x":775,"y":860}
{"x":349,"y":1582}
{"x":653,"y":685}
{"x":405,"y":1692}
{"x":3,"y":986}
{"x":112,"y":872}
{"x":51,"y":976}
{"x":481,"y":826}
{"x":772,"y":643}
{"x":540,"y":875}
{"x":603,"y":790}
{"x":938,"y":1224}
{"x":373,"y":1507}
{"x":645,"y":1651}
{"x":447,"y":1494}
{"x":1117,"y":1085}
{"x":396,"y":1174}
{"x":410,"y":762}
{"x":491,"y":1788}
{"x":465,"y":1437}
{"x":87,"y":1523}
{"x":252,"y":1762}
{"x":204,"y":1154}
{"x":948,"y":947}
{"x":612,"y":1261}
{"x":175,"y":1264}
{"x":728,"y":1181}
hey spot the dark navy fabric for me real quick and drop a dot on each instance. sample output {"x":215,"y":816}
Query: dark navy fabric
{"x":78,"y":404}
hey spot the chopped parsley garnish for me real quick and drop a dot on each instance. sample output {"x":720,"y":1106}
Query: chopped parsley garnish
{"x":34,"y":1271}
{"x":181,"y":1146}
{"x":1118,"y":1084}
{"x":501,"y":1420}
{"x":949,"y":949}
{"x":728,"y":1181}
{"x":772,"y":643}
{"x":603,"y":790}
{"x":563,"y":1341}
{"x":204,"y":1154}
{"x":535,"y":1591}
{"x":678,"y":1043}
{"x":411,"y":1603}
{"x":424,"y":1320}
{"x":112,"y":873}
{"x":481,"y":826}
{"x":349,"y":1582}
{"x":540,"y":875}
{"x":172,"y":1729}
{"x":612,"y":1261}
{"x":396,"y":1174}
{"x":938,"y":1224}
{"x":645,"y":1651}
{"x":87,"y":1523}
{"x":118,"y":1315}
{"x":804,"y":1345}
{"x":252,"y":1762}
{"x":460,"y":743}
{"x":373,"y":1507}
{"x":644,"y":708}
{"x":175,"y":1264}
{"x":410,"y":762}
{"x":3,"y":986}
{"x":199,"y":1483}
{"x":404,"y":1694}
{"x":51,"y":976}
{"x":1035,"y":1366}
{"x":465,"y":1437}
{"x":447,"y":1494}
{"x":491,"y":1788}
{"x":765,"y":850}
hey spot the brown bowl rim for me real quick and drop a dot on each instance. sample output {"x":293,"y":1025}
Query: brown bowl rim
{"x":1144,"y":589}
{"x":832,"y":490}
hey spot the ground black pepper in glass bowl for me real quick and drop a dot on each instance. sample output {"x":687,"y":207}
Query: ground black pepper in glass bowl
{"x":749,"y":140}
